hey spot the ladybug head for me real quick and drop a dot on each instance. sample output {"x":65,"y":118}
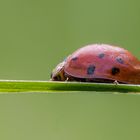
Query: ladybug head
{"x":58,"y":73}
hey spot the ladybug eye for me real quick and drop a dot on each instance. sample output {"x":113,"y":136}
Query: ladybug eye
{"x":57,"y":78}
{"x":115,"y":70}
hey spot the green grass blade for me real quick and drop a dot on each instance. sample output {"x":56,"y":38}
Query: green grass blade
{"x":39,"y":86}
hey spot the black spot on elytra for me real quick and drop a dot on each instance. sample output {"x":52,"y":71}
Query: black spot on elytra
{"x":101,"y":55}
{"x":120,"y":60}
{"x":74,"y":58}
{"x":90,"y":69}
{"x":115,"y":70}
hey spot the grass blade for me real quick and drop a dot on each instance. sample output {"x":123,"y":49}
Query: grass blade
{"x":39,"y":86}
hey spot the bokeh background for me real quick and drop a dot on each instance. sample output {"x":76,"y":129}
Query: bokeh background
{"x":37,"y":35}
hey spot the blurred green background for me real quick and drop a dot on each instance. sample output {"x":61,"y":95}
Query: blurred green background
{"x":37,"y":35}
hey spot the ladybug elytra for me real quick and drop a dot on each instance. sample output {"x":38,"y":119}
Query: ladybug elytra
{"x":99,"y":63}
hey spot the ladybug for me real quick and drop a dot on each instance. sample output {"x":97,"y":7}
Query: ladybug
{"x":99,"y":63}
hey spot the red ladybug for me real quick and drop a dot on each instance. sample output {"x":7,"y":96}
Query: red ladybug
{"x":99,"y":63}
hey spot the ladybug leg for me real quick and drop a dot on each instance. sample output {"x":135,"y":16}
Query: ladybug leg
{"x":116,"y":82}
{"x":67,"y":79}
